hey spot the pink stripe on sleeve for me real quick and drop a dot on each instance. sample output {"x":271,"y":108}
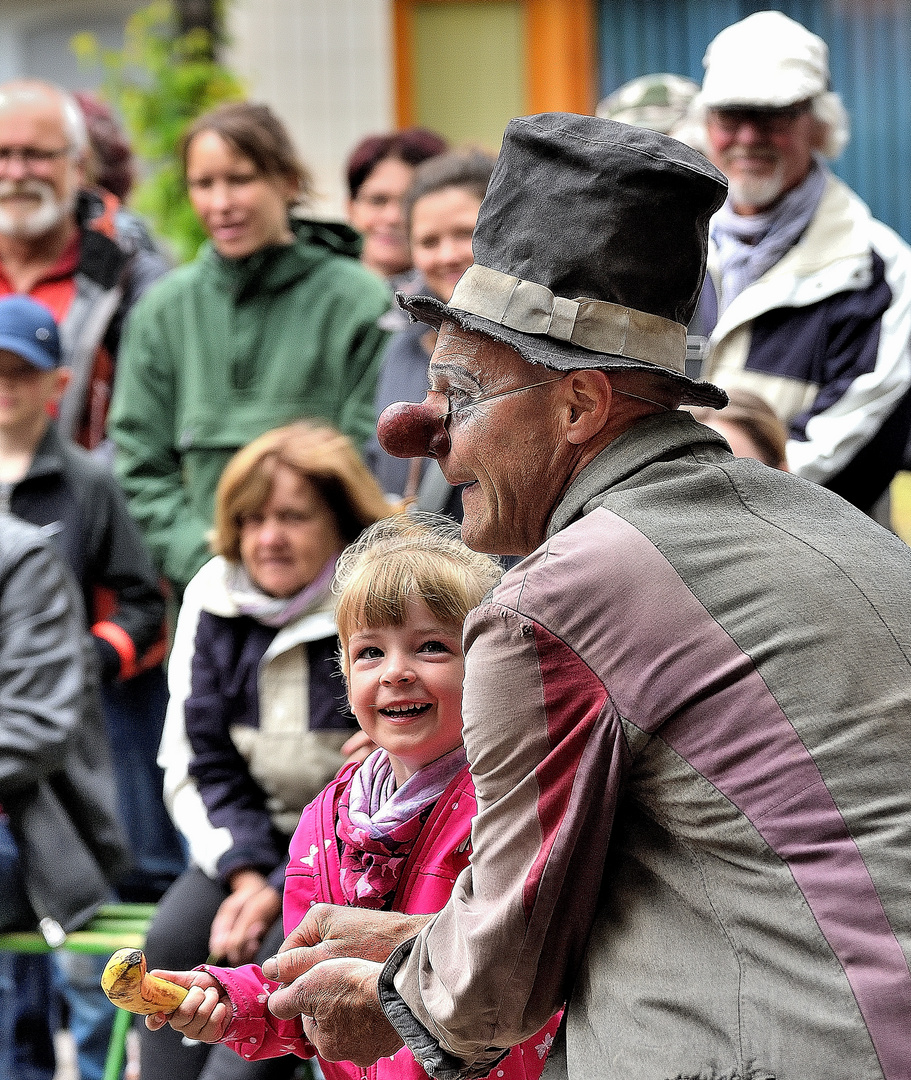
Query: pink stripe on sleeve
{"x":734,"y":733}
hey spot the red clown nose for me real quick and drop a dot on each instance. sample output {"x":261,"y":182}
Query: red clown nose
{"x":407,"y":429}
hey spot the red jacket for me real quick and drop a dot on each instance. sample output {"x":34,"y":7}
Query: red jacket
{"x":439,"y":855}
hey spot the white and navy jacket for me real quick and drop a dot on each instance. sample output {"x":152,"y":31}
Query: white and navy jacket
{"x":823,"y":336}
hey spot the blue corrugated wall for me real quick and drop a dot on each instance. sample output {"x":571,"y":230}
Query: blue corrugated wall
{"x":870,"y":56}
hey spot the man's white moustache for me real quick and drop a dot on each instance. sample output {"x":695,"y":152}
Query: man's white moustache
{"x":22,"y":187}
{"x":753,"y":155}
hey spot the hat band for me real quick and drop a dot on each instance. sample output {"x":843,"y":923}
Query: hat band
{"x":595,"y":325}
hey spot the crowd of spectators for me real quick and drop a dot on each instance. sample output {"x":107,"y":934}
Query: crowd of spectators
{"x":186,"y":451}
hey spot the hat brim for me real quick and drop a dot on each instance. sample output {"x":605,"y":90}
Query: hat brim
{"x":555,"y":354}
{"x":765,"y":99}
{"x":29,"y":351}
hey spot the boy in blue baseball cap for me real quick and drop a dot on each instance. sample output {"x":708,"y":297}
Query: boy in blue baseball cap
{"x":32,"y":383}
{"x":72,"y":494}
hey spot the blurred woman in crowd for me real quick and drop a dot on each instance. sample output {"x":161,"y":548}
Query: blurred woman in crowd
{"x":441,"y":210}
{"x":257,"y":722}
{"x":113,"y":168}
{"x":113,"y":163}
{"x":274,"y":320}
{"x":379,"y":172}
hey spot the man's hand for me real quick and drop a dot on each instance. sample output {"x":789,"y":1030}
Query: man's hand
{"x":330,"y":965}
{"x":339,"y":1005}
{"x":329,"y":932}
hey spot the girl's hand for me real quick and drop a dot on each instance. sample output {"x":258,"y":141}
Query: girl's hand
{"x":203,"y":1015}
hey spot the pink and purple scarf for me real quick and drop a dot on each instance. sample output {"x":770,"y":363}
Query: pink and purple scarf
{"x":379,"y":823}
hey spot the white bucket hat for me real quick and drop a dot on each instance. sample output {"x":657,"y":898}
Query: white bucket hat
{"x":765,"y":61}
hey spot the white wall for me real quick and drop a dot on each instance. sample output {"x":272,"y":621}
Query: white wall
{"x":325,"y":66}
{"x":35,"y":36}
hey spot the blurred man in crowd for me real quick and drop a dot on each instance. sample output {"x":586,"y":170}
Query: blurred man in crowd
{"x":658,"y":102}
{"x":61,"y":848}
{"x":808,"y":300}
{"x":60,"y":244}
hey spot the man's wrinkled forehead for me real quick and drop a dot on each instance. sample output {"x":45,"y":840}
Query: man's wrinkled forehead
{"x":471,"y":354}
{"x":455,"y":342}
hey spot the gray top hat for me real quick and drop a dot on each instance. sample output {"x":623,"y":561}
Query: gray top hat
{"x":589,"y":249}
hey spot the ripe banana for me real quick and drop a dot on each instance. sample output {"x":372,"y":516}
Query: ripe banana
{"x":126,"y":983}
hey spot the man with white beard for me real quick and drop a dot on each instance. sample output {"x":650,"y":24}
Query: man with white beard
{"x":59,"y":244}
{"x":808,"y":298}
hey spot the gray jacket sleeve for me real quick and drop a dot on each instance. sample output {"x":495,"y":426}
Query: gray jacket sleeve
{"x":42,"y":658}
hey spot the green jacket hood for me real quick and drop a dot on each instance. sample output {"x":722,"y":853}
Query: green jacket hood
{"x":274,"y":268}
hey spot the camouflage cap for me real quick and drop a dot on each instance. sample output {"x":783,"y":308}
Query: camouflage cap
{"x":657,"y":102}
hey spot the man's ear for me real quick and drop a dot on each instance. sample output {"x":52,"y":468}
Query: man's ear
{"x":587,"y":399}
{"x":82,"y":166}
{"x":62,"y":377}
{"x":820,"y":135}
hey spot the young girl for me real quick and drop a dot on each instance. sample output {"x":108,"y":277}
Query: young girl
{"x":393,"y":833}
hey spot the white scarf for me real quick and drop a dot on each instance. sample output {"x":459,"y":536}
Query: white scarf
{"x":277,"y":611}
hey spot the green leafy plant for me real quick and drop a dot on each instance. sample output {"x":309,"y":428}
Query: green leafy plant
{"x":160,"y":81}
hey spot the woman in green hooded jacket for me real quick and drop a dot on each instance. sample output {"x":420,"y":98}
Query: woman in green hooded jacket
{"x":275,"y":320}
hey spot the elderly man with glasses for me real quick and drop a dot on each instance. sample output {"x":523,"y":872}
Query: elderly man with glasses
{"x":808,"y":298}
{"x":685,"y":709}
{"x":60,"y":244}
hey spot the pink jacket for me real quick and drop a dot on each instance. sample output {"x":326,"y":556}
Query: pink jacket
{"x":438,"y":857}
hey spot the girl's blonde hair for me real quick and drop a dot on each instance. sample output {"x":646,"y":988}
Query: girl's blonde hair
{"x":410,"y":556}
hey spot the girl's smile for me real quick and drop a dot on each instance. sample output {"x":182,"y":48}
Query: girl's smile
{"x":405,"y":687}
